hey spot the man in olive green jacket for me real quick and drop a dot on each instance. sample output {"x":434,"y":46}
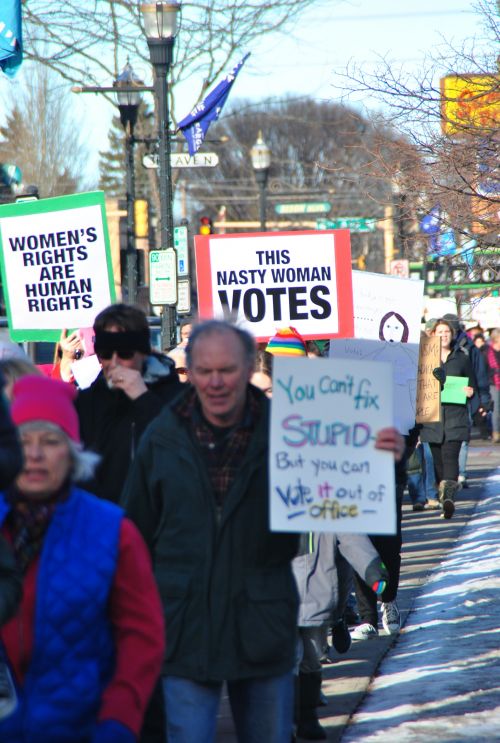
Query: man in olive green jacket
{"x":198,"y":492}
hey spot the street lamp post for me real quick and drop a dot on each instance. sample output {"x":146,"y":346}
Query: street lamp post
{"x":261,"y":161}
{"x":128,"y":105}
{"x":160,"y":25}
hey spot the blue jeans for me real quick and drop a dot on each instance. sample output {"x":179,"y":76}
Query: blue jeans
{"x":262,"y":709}
{"x":430,"y":475}
{"x":422,"y":485}
{"x":462,"y":459}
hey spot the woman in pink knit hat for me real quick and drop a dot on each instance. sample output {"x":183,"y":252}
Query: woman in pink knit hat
{"x":87,"y":642}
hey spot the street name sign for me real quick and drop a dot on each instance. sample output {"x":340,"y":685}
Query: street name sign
{"x":355,"y":224}
{"x":316,"y":207}
{"x":183,"y":160}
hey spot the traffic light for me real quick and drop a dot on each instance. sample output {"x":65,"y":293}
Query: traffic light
{"x":205,"y":226}
{"x":141,"y":218}
{"x":361,"y":261}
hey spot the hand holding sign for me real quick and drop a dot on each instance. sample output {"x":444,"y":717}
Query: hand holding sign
{"x":389,"y":439}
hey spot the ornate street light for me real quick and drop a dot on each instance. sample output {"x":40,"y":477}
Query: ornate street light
{"x":261,"y":162}
{"x":160,"y":26}
{"x":129,"y":101}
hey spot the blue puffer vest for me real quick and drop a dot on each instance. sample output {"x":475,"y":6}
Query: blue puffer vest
{"x":73,"y":651}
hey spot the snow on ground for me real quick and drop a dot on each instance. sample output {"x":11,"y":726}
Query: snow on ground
{"x":441,"y":679}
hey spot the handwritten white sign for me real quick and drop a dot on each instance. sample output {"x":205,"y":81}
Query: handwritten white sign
{"x":325,"y":473}
{"x":386,"y":307}
{"x":403,"y":358}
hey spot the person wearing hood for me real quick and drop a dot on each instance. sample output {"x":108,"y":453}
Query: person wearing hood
{"x":127,"y":395}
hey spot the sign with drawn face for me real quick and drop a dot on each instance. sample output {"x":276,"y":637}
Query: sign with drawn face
{"x":387,"y":308}
{"x":56,"y":266}
{"x":267,"y":281}
{"x":325,"y":473}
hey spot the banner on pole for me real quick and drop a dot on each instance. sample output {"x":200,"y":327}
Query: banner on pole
{"x":11,"y":42}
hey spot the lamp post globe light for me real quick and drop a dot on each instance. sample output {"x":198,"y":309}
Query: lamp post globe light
{"x":160,"y":26}
{"x":261,"y":162}
{"x":128,"y":105}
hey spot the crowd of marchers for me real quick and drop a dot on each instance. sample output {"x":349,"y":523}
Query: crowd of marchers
{"x":138,"y":572}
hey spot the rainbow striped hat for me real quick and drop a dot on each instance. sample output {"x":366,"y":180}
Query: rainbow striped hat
{"x":287,"y":342}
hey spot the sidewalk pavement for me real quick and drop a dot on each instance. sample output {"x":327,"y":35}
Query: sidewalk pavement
{"x":439,"y":679}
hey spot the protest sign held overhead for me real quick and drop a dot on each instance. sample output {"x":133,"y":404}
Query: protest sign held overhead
{"x":387,"y":308}
{"x":56,"y":267}
{"x":325,"y":473}
{"x":265,"y":281}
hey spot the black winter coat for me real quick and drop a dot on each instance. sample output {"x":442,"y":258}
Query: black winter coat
{"x":11,"y":456}
{"x":111,"y":424}
{"x":11,"y":462}
{"x":226,"y":581}
{"x":455,"y":419}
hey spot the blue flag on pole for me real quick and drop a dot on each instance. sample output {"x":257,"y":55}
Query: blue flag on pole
{"x":11,"y":45}
{"x":431,"y":222}
{"x":195,"y":125}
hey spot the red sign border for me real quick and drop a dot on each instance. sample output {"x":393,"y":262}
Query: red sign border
{"x":343,"y":267}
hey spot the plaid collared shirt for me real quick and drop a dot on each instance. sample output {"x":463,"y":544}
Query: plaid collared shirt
{"x":222,"y":448}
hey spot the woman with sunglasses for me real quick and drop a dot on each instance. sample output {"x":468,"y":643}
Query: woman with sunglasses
{"x":130,"y":391}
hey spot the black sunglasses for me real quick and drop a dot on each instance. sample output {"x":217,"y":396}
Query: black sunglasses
{"x":107,"y":353}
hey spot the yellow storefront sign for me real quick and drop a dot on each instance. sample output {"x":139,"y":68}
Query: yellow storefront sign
{"x":469,"y":101}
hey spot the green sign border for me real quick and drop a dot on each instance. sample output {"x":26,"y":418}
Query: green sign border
{"x":54,"y":204}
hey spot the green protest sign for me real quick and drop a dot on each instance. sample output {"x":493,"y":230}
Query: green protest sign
{"x":453,"y":390}
{"x":56,"y":264}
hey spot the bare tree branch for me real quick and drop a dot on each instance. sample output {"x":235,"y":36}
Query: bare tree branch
{"x":86,"y":41}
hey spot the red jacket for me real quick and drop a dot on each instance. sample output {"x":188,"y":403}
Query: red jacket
{"x":137,"y":616}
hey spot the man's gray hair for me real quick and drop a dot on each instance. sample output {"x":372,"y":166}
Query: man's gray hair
{"x":213,"y":327}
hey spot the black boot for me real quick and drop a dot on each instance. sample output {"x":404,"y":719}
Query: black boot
{"x":308,"y":726}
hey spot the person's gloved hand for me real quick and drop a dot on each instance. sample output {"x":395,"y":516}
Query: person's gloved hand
{"x":376,"y":576}
{"x":110,"y":731}
{"x":341,"y":638}
{"x":439,"y":374}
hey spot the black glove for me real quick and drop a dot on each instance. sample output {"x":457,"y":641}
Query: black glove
{"x":440,"y":374}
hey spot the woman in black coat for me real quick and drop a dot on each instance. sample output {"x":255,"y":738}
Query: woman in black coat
{"x":445,"y":438}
